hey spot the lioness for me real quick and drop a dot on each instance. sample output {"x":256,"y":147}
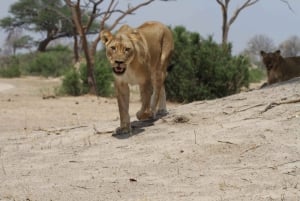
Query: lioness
{"x":278,"y":68}
{"x":139,"y":56}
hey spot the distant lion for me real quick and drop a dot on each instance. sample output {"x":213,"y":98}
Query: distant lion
{"x":279,"y":68}
{"x":139,"y":56}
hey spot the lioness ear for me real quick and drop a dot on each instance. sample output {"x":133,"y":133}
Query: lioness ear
{"x":105,"y":36}
{"x":278,"y":52}
{"x":262,"y":53}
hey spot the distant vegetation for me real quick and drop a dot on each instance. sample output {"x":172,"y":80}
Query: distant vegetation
{"x":52,"y":63}
{"x":75,"y":82}
{"x":202,"y":69}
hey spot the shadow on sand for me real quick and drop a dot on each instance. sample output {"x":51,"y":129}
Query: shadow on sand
{"x":139,"y":127}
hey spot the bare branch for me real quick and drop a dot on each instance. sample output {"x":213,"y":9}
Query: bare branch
{"x":93,"y":15}
{"x":107,"y":14}
{"x":129,"y":11}
{"x":237,"y":12}
{"x":225,"y":23}
{"x":288,"y":4}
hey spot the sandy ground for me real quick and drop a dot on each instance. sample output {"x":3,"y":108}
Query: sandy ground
{"x":237,"y":148}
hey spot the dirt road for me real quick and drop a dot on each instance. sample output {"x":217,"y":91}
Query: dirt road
{"x":241,"y":147}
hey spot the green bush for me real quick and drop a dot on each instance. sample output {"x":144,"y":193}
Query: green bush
{"x":76,"y":83}
{"x":10,"y":67}
{"x":71,"y":84}
{"x":256,"y":74}
{"x":103,"y":76}
{"x":54,"y":63}
{"x":203,"y":69}
{"x":10,"y":72}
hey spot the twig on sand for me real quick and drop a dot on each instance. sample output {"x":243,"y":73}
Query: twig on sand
{"x":226,"y":142}
{"x":2,"y":164}
{"x":81,"y":187}
{"x":273,"y":104}
{"x":97,"y":132}
{"x":251,"y":149}
{"x":283,"y":164}
{"x":58,"y":131}
{"x":248,"y":108}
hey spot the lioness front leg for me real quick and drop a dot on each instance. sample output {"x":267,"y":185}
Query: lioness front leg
{"x":122,"y":92}
{"x":146,"y":92}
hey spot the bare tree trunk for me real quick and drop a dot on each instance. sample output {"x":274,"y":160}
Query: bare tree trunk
{"x":227,"y":23}
{"x":76,"y":14}
{"x":43,"y":44}
{"x":75,"y":48}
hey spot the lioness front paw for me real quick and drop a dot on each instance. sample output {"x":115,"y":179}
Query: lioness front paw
{"x":122,"y":131}
{"x":144,"y":115}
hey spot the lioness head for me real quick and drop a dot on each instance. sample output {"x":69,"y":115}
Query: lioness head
{"x":120,"y":48}
{"x":271,"y":59}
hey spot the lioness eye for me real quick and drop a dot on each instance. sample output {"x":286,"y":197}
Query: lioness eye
{"x":127,"y":49}
{"x":113,"y":48}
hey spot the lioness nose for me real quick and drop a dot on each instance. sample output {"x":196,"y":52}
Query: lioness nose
{"x":119,"y":62}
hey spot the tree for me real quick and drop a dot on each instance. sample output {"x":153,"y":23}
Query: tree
{"x":49,"y":17}
{"x":228,"y":21}
{"x":256,"y":44}
{"x":290,"y":47}
{"x":16,"y":40}
{"x":82,"y":27}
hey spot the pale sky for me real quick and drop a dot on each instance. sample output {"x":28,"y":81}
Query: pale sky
{"x":269,"y":17}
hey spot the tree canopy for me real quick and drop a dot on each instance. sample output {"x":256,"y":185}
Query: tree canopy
{"x":52,"y":18}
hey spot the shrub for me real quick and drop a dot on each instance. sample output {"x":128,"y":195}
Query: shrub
{"x":257,"y":74}
{"x":54,"y":62}
{"x":76,"y":83}
{"x":203,"y":69}
{"x":71,"y":84}
{"x":103,"y":76}
{"x":10,"y":72}
{"x":10,"y":67}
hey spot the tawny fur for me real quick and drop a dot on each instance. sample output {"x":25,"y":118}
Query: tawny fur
{"x":279,"y":68}
{"x":139,"y":56}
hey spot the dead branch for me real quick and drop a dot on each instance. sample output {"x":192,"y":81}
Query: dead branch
{"x":97,"y":132}
{"x":248,"y":108}
{"x":288,"y":4}
{"x":129,"y":11}
{"x":2,"y":164}
{"x":226,"y":142}
{"x":226,"y":22}
{"x":58,"y":131}
{"x":93,"y":15}
{"x":81,"y":187}
{"x":238,"y":10}
{"x":251,"y":149}
{"x":282,"y":164}
{"x":273,"y":104}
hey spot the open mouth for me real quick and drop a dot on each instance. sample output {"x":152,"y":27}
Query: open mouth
{"x":119,"y":70}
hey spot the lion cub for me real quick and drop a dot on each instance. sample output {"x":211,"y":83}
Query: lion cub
{"x":139,"y":56}
{"x":278,"y":68}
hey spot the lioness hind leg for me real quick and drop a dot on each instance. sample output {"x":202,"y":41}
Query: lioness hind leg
{"x":158,"y":98}
{"x":162,"y":107}
{"x":156,"y":95}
